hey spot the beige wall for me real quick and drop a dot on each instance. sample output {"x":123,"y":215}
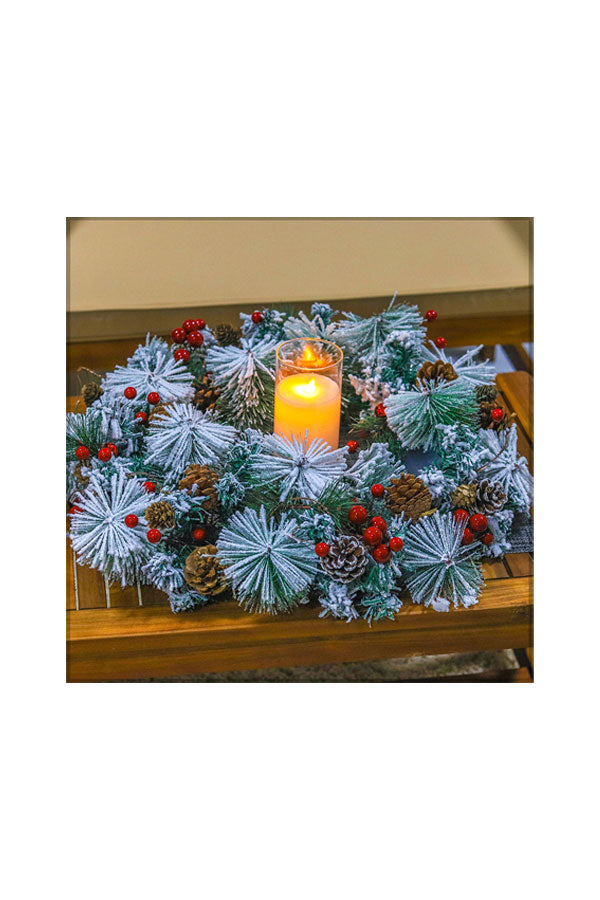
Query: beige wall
{"x":132,"y":264}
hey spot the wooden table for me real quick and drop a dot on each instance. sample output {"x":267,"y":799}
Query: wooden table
{"x":115,"y":634}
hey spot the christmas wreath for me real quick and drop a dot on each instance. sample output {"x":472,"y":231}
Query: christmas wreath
{"x":176,"y":479}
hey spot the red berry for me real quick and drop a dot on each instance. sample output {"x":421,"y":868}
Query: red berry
{"x":198,"y":534}
{"x":257,"y":317}
{"x":478,"y":523}
{"x":195,"y":339}
{"x":396,"y":544}
{"x":497,"y":414}
{"x":380,"y":523}
{"x":380,"y":410}
{"x":352,"y":446}
{"x":440,"y":342}
{"x":373,"y":535}
{"x":431,"y":315}
{"x":358,"y":515}
{"x":181,"y":354}
{"x":378,"y":490}
{"x":461,"y":515}
{"x":487,"y":538}
{"x":112,"y":448}
{"x":130,"y":393}
{"x":149,"y":486}
{"x":142,"y":415}
{"x":75,"y":509}
{"x":189,"y":325}
{"x":381,"y":553}
{"x":153,"y":398}
{"x":468,"y":537}
{"x":104,"y":454}
{"x":322,"y":549}
{"x":178,"y":335}
{"x":200,"y":324}
{"x":154,"y":535}
{"x":82,"y":452}
{"x":131,"y":520}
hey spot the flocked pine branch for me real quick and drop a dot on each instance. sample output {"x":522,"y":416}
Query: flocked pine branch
{"x":365,"y":338}
{"x":415,"y":415}
{"x":269,"y":567}
{"x":182,"y":435}
{"x":500,"y":461}
{"x":245,"y":377}
{"x":319,"y":326}
{"x":465,"y":366}
{"x":441,"y":570}
{"x":375,"y":465}
{"x":99,"y":534}
{"x":298,"y":468}
{"x":151,"y":368}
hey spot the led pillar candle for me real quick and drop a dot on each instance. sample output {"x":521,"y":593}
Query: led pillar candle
{"x":308,"y":390}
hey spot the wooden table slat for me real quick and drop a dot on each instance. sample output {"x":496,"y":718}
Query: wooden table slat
{"x":517,"y":387}
{"x":519,"y":564}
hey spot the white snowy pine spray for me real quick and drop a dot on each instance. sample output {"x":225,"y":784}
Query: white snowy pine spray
{"x":465,"y":366}
{"x":183,"y":435}
{"x":245,"y":377}
{"x":151,"y":368}
{"x":503,"y":464}
{"x":269,"y":567}
{"x":99,"y":534}
{"x":415,"y":415}
{"x":300,"y":468}
{"x":375,"y":465}
{"x":365,"y":338}
{"x":440,"y":569}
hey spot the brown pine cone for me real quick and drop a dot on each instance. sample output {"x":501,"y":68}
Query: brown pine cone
{"x":200,"y":481}
{"x":409,"y":495}
{"x":490,"y":497}
{"x":203,"y":571}
{"x":347,"y":559}
{"x":81,"y":474}
{"x":159,"y":410}
{"x":160,"y":515}
{"x":485,"y":417}
{"x":226,"y":335}
{"x":485,"y":393}
{"x":207,"y":394}
{"x":464,"y":495}
{"x":91,"y":392}
{"x":431,"y":371}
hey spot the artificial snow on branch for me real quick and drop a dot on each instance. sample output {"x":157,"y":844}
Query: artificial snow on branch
{"x":415,"y":415}
{"x":182,"y":435}
{"x":245,"y":377}
{"x":365,"y":338}
{"x":500,"y":461}
{"x":152,"y":368}
{"x":269,"y":567}
{"x":299,"y":468}
{"x":465,"y":366}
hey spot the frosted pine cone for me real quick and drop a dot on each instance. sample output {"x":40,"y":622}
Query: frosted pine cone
{"x":203,"y":571}
{"x":200,"y":481}
{"x":485,"y":393}
{"x":409,"y":495}
{"x":206,"y":394}
{"x":226,"y":336}
{"x":490,"y":497}
{"x":160,"y":515}
{"x":347,"y":559}
{"x":464,"y":495}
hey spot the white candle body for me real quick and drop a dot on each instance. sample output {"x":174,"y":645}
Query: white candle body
{"x":308,"y":402}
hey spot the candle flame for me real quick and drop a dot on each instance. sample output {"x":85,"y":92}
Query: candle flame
{"x":307,"y":390}
{"x":308,"y":355}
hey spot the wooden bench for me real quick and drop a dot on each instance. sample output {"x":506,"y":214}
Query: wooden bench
{"x":115,"y":634}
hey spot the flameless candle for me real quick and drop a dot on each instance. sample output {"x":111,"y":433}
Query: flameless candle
{"x":308,"y":390}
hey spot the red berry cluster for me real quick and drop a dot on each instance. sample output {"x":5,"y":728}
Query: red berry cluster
{"x":431,"y":316}
{"x":153,"y":399}
{"x":477,"y":527}
{"x":190,"y":333}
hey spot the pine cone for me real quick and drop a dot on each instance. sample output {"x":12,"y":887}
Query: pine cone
{"x":81,"y":474}
{"x":347,"y":559}
{"x":203,"y":571}
{"x":201,"y":481}
{"x":485,"y":393}
{"x":485,"y":417}
{"x":160,"y":515}
{"x":206,"y":394}
{"x":409,"y":495}
{"x":490,"y":497}
{"x":91,"y":392}
{"x":464,"y":495}
{"x":430,"y":371}
{"x":159,"y":410}
{"x":226,"y":335}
